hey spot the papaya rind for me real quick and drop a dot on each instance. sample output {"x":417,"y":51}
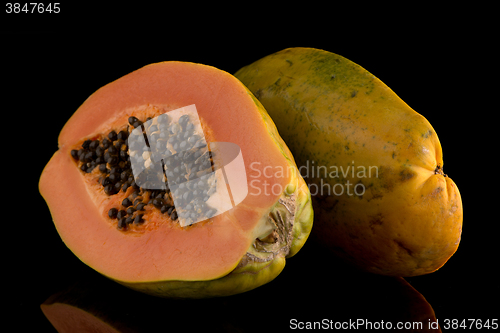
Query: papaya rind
{"x":234,"y":283}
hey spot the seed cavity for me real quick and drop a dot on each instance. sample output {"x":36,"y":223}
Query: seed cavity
{"x":175,"y":164}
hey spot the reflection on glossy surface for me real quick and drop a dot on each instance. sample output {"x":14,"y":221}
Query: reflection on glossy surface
{"x":315,"y":292}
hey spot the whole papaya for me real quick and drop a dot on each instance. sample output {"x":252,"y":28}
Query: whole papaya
{"x":374,"y":166}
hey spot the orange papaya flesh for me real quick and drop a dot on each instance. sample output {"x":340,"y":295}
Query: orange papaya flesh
{"x":374,"y":166}
{"x":155,"y":253}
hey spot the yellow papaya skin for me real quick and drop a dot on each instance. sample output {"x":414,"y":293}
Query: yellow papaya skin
{"x":374,"y":166}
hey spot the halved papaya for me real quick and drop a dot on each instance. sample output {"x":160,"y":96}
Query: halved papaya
{"x":174,"y":181}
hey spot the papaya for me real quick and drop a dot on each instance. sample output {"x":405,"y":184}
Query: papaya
{"x":161,"y":183}
{"x":374,"y":166}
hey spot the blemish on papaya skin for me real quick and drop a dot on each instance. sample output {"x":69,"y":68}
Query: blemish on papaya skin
{"x":427,"y":134}
{"x":376,"y":220}
{"x":406,"y":174}
{"x":404,"y":247}
{"x":437,"y":191}
{"x":386,"y":176}
{"x":377,"y":196}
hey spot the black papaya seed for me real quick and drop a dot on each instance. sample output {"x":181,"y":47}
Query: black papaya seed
{"x":105,"y":143}
{"x":122,"y":223}
{"x":164,"y":209}
{"x":114,"y":177}
{"x":121,"y":213}
{"x":125,"y":187}
{"x":126,"y":202}
{"x":112,"y":136}
{"x":112,"y":150}
{"x":94,"y":144}
{"x":90,"y":167}
{"x":86,"y":144}
{"x":113,"y":160}
{"x":102,"y":168}
{"x":132,"y":120}
{"x":109,"y":189}
{"x":138,"y":219}
{"x":183,"y":120}
{"x":118,"y":186}
{"x":123,"y":135}
{"x":112,"y":213}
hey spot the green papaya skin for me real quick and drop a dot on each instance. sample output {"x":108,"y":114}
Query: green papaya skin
{"x":373,"y":165}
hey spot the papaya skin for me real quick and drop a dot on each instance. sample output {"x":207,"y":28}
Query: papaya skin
{"x":398,"y":214}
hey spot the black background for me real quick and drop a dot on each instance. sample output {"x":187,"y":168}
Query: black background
{"x":440,"y":61}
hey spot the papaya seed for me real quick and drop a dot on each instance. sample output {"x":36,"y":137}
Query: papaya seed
{"x":105,"y":143}
{"x":94,"y":144}
{"x":132,"y":120}
{"x":138,"y":219}
{"x":74,"y":154}
{"x":86,"y":144}
{"x":112,"y":135}
{"x":123,"y":135}
{"x":122,"y":223}
{"x":112,"y":213}
{"x":121,"y":213}
{"x":126,"y":202}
